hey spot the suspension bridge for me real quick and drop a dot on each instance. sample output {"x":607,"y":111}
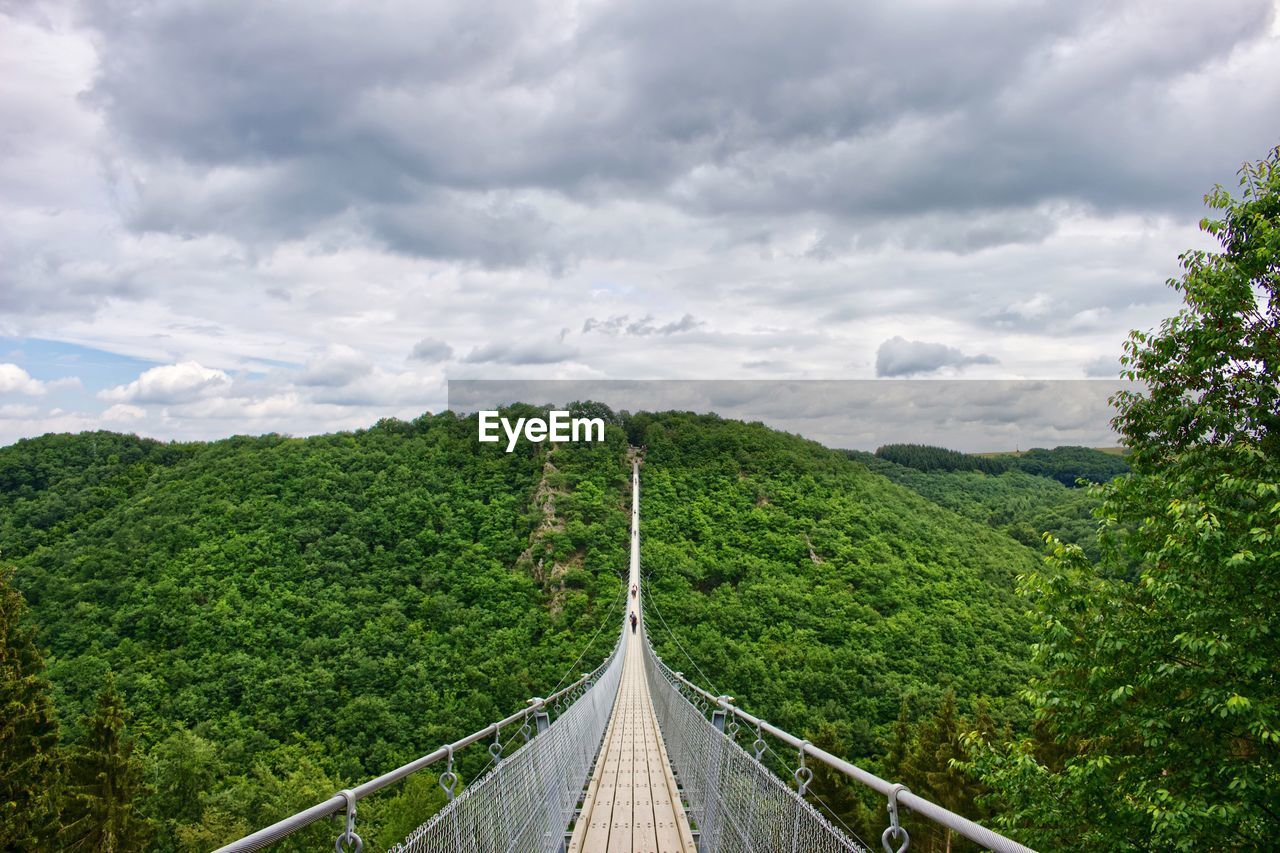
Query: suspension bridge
{"x":632,"y":757}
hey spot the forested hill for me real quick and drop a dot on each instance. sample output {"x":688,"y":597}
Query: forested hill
{"x":287,"y":616}
{"x":1025,"y":506}
{"x":283,"y":617}
{"x":832,"y":601}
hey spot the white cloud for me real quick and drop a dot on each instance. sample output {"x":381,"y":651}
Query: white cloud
{"x":17,"y":410}
{"x":284,"y":405}
{"x":121,"y":412}
{"x":15,"y":380}
{"x":339,"y":365}
{"x":171,"y":383}
{"x":521,"y":353}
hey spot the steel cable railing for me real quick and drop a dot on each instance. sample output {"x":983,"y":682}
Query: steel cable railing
{"x":547,"y":772}
{"x":526,"y":802}
{"x":708,"y":758}
{"x":736,"y":802}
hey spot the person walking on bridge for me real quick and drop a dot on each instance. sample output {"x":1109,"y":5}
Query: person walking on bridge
{"x":633,"y":622}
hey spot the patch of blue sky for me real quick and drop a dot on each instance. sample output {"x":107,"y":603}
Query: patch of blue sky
{"x":49,"y":360}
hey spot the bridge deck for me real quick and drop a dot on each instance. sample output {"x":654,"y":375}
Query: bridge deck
{"x":632,"y":804}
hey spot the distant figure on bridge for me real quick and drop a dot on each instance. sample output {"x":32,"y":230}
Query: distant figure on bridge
{"x":633,"y":623}
{"x":634,"y":590}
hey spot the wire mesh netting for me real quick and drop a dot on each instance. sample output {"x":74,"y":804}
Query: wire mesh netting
{"x":736,"y":803}
{"x":527,"y":800}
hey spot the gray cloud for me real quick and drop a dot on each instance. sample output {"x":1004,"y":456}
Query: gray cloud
{"x":432,"y":350}
{"x":699,"y":188}
{"x":521,"y":353}
{"x":644,"y":327}
{"x":901,"y":357}
{"x":337,"y":367}
{"x":419,"y":123}
{"x":1102,"y":367}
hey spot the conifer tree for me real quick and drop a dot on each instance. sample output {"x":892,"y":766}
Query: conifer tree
{"x":836,"y":794}
{"x":933,"y":763}
{"x":104,"y":784}
{"x":28,"y":730}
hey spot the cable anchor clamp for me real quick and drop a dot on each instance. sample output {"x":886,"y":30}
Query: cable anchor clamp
{"x":449,"y":779}
{"x":495,"y":748}
{"x":895,"y":830}
{"x":803,"y":774}
{"x":348,"y":841}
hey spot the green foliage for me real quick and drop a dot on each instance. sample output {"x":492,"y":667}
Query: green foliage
{"x":819,"y":594}
{"x":924,"y":457}
{"x":1021,"y":505}
{"x":929,"y":755}
{"x":179,"y":770}
{"x":50,"y":486}
{"x":28,"y":730}
{"x":831,"y":789}
{"x":279,"y":783}
{"x":1160,"y":695}
{"x":402,"y":812}
{"x":104,"y":783}
{"x":1068,"y":465}
{"x":295,"y":615}
{"x":1065,"y":464}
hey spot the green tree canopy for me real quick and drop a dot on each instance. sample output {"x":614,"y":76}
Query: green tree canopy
{"x":104,"y":779}
{"x":28,"y":729}
{"x":1161,"y":694}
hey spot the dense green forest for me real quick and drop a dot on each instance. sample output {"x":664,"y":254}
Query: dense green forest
{"x":234,"y":630}
{"x":1068,"y":464}
{"x":1024,"y":506}
{"x":830,"y":600}
{"x":250,"y":624}
{"x":197,"y":639}
{"x":268,"y":619}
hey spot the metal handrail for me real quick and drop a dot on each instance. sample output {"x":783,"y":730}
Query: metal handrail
{"x":894,"y":792}
{"x":338,"y":802}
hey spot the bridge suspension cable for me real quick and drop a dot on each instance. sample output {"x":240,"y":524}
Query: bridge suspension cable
{"x":704,"y":748}
{"x":527,"y":800}
{"x":539,"y":768}
{"x":737,"y":803}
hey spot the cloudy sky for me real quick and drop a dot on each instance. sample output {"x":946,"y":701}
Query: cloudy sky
{"x":238,"y":216}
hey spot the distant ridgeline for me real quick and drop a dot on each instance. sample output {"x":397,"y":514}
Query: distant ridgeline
{"x":1067,"y":464}
{"x":1023,"y":496}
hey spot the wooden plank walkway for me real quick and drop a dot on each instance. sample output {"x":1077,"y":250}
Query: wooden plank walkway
{"x":632,"y":804}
